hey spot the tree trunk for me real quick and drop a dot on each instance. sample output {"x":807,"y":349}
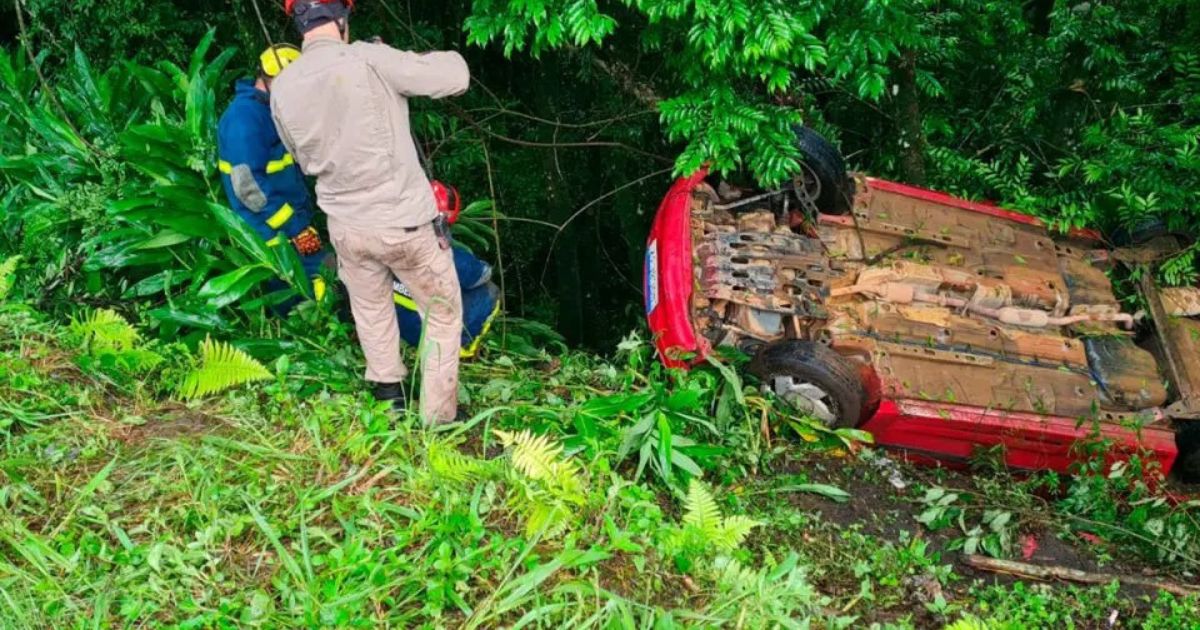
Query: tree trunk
{"x":908,"y":117}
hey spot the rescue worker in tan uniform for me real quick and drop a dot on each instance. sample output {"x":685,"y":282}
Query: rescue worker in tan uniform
{"x":342,"y":111}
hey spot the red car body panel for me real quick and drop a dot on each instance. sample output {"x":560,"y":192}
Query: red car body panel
{"x":668,"y":277}
{"x":924,"y":431}
{"x":917,"y":192}
{"x":950,"y":434}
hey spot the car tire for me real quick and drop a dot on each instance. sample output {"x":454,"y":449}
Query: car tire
{"x":825,"y":170}
{"x":1139,"y":233}
{"x":1187,"y":440}
{"x":813,"y":379}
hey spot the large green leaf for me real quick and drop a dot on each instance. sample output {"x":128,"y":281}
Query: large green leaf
{"x":227,"y":288}
{"x":200,"y":104}
{"x":150,"y":285}
{"x":193,"y":318}
{"x":165,"y":238}
{"x":243,"y":236}
{"x":282,"y":259}
{"x":125,"y":255}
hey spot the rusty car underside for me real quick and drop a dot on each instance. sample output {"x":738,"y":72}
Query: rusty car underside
{"x":948,"y":303}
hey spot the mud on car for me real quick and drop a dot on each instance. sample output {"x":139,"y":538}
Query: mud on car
{"x":937,"y":324}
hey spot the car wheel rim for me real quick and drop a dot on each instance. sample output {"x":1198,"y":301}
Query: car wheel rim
{"x":807,"y":398}
{"x":808,"y":182}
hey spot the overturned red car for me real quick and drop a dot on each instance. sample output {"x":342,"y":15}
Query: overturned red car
{"x":939,"y":325}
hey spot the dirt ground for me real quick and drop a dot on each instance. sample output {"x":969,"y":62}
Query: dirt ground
{"x":884,"y":512}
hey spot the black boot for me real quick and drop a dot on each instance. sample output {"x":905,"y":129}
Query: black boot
{"x":393,"y":392}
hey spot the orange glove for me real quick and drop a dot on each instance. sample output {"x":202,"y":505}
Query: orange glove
{"x":307,"y":242}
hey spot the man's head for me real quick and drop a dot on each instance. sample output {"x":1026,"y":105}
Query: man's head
{"x":272,"y":61}
{"x":321,"y":18}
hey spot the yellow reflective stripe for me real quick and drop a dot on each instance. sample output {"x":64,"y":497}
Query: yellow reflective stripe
{"x":319,"y":288}
{"x":473,"y":347}
{"x":274,"y":166}
{"x":281,"y":216}
{"x":278,"y":240}
{"x":404,"y":301}
{"x":225,"y":167}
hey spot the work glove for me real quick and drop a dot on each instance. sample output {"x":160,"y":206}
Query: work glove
{"x":307,"y":242}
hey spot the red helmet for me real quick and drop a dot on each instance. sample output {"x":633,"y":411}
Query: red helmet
{"x":447,"y":199}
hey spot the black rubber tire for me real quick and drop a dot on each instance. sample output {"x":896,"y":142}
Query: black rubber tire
{"x":825,"y":161}
{"x":1143,"y":231}
{"x":816,"y":364}
{"x":1187,"y":440}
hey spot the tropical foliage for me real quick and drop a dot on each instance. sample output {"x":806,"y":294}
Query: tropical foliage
{"x":113,"y":193}
{"x":175,"y":453}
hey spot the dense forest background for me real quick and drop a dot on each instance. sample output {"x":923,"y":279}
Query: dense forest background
{"x":1085,"y":113}
{"x":173,"y":453}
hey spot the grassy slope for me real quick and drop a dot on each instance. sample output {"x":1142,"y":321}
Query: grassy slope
{"x":269,"y":508}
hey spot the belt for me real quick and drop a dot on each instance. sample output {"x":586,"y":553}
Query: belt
{"x":415,"y":228}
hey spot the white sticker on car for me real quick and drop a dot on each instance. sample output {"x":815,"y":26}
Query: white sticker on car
{"x":651,"y":277}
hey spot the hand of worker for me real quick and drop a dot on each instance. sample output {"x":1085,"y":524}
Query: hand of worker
{"x":307,"y":242}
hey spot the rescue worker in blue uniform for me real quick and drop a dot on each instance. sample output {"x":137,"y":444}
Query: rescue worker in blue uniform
{"x":262,"y":182}
{"x":269,"y":193}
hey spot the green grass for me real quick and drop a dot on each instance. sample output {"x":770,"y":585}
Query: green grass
{"x":283,"y":505}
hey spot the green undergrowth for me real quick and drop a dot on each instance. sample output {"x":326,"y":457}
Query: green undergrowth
{"x":583,"y":492}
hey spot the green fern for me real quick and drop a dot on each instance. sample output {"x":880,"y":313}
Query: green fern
{"x":700,"y":510}
{"x":550,"y":518}
{"x":538,"y":458}
{"x":8,"y":270}
{"x":703,"y":529}
{"x":104,"y":330}
{"x":548,"y":490}
{"x":111,"y":345}
{"x":970,"y":623}
{"x":733,"y":532}
{"x":221,"y":366}
{"x":447,"y":463}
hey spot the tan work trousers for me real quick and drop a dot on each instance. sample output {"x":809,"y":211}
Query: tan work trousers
{"x":367,"y":260}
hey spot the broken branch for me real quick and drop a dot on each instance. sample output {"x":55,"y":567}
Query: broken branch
{"x":1055,"y":572}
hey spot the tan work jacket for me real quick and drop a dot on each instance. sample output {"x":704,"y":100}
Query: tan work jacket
{"x":342,"y":111}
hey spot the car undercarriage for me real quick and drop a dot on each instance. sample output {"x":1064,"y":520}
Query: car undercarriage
{"x":922,"y":305}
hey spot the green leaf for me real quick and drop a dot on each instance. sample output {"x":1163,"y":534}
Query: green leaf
{"x":165,"y":238}
{"x":227,"y":288}
{"x":825,"y":490}
{"x":181,"y":317}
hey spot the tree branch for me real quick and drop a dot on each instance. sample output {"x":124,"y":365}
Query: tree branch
{"x":1055,"y":572}
{"x":623,"y":76}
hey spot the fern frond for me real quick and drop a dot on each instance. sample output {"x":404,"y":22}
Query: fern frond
{"x":970,"y":623}
{"x":548,"y":489}
{"x":450,"y":464}
{"x":549,"y":518}
{"x":732,"y":576}
{"x":733,"y":532}
{"x":8,"y":270}
{"x":538,"y":457}
{"x":221,"y":366}
{"x":534,"y":455}
{"x":104,"y":330}
{"x":700,"y":510}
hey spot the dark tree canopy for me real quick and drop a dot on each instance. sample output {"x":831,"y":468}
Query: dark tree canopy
{"x":1084,"y":113}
